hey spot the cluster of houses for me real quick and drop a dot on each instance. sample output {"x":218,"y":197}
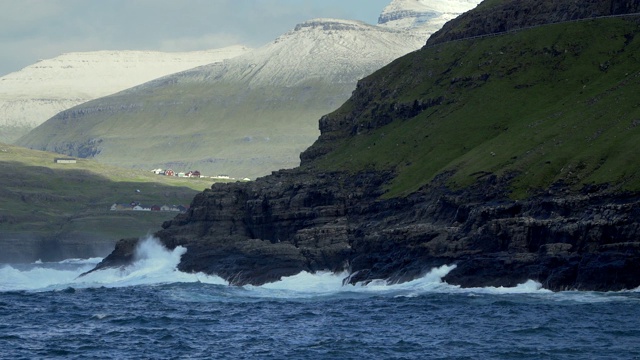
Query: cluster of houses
{"x":192,"y":174}
{"x":169,"y":172}
{"x":136,"y":206}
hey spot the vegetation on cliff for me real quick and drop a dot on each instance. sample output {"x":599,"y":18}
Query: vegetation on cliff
{"x":556,"y":103}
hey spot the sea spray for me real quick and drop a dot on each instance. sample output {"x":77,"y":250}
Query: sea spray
{"x":38,"y":276}
{"x":324,"y":283}
{"x":154,"y":264}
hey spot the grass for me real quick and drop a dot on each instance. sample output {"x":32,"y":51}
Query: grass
{"x":555,"y":103}
{"x":49,"y":200}
{"x":215,"y":128}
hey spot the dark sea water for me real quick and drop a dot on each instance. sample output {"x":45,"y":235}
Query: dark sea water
{"x":152,"y":311}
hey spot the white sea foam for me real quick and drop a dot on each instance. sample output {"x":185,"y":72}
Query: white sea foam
{"x":13,"y":278}
{"x":90,"y":261}
{"x":309,"y":285}
{"x":154,"y":264}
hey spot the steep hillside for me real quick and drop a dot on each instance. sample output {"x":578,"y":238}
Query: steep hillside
{"x":544,"y":105}
{"x":246,"y":117}
{"x":36,"y":93}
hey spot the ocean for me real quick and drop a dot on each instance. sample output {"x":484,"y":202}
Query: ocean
{"x":150,"y":310}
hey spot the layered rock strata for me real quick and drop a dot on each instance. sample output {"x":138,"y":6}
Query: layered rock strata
{"x":293,"y":221}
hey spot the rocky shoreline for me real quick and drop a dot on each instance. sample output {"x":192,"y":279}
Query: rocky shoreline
{"x":293,"y":221}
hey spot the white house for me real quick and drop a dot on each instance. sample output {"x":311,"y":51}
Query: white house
{"x":64,"y":160}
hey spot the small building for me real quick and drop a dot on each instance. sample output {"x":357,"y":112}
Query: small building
{"x":155,"y":208}
{"x":195,"y":174}
{"x":169,"y":172}
{"x":158,"y":171}
{"x":64,"y":161}
{"x":121,"y":207}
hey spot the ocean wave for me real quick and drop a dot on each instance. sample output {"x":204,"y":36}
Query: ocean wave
{"x":156,"y":265}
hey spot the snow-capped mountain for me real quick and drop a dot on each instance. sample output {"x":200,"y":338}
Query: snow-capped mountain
{"x":34,"y":94}
{"x":331,"y":50}
{"x":244,"y":117}
{"x":423,"y":16}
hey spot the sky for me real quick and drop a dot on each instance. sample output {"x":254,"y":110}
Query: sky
{"x":41,"y":29}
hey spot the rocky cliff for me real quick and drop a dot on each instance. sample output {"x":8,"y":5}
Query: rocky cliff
{"x":507,"y":157}
{"x":295,"y":221}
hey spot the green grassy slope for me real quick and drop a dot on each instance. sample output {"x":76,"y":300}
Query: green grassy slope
{"x":69,"y":204}
{"x":554,"y":103}
{"x":215,"y":128}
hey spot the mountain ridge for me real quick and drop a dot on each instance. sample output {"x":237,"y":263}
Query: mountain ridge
{"x":36,"y":93}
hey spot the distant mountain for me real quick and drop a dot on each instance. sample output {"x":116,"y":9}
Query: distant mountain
{"x":425,"y":15}
{"x":34,"y":94}
{"x":244,"y":117}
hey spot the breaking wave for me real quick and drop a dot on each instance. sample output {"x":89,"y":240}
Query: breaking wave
{"x":156,"y":265}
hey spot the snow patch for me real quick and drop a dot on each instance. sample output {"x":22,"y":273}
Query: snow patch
{"x":423,"y":16}
{"x":34,"y":94}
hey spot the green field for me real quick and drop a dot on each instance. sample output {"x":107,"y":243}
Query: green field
{"x":69,"y":204}
{"x":216,"y":128}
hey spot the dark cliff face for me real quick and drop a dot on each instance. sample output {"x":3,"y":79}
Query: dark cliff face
{"x":294,"y":221}
{"x":499,"y":16}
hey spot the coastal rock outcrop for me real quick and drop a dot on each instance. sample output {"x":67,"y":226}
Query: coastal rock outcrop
{"x":293,"y":221}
